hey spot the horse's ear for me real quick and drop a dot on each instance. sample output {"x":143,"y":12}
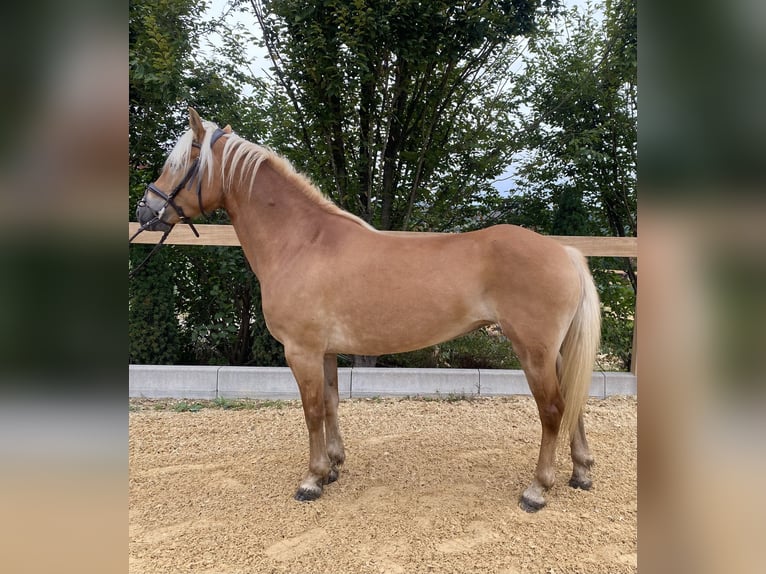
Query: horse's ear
{"x":227,"y":129}
{"x":195,"y":122}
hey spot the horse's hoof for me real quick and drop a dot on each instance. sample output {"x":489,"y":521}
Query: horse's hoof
{"x":307,"y":494}
{"x":332,"y":477}
{"x":529,"y":505}
{"x":581,"y":483}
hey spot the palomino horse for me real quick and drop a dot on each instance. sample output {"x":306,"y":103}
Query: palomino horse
{"x":332,"y":284}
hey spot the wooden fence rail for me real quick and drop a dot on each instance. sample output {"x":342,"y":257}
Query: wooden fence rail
{"x":224,"y":235}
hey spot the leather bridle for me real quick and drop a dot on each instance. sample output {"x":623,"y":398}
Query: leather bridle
{"x":188,"y":180}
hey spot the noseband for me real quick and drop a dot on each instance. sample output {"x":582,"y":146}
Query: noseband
{"x":191,"y":174}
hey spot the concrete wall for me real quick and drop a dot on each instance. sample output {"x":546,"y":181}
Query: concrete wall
{"x":202,"y":382}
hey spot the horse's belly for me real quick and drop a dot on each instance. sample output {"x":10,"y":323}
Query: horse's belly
{"x":398,"y":328}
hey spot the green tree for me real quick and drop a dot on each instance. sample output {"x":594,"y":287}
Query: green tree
{"x":398,"y":105}
{"x":580,"y":131}
{"x":570,"y":217}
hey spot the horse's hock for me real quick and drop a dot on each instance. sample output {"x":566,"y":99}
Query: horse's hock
{"x":428,"y":486}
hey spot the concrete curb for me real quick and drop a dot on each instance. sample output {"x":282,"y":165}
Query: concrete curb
{"x":204,"y":382}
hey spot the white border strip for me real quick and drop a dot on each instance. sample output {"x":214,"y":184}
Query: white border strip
{"x":204,"y":382}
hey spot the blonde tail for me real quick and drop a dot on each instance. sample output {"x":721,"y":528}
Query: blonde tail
{"x":581,"y":343}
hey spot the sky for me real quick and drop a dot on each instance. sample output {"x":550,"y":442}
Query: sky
{"x":260,"y":60}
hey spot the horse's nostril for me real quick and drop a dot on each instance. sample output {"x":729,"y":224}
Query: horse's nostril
{"x":148,"y":218}
{"x":144,"y":213}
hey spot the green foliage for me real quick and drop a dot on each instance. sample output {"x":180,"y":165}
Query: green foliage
{"x":138,"y":405}
{"x":152,"y":326}
{"x":218,"y":303}
{"x":618,"y":305}
{"x":162,"y":36}
{"x":580,"y":133}
{"x":570,"y":217}
{"x":397,"y":105}
{"x":275,"y":404}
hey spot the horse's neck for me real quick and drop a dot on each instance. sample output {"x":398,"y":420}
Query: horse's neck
{"x":272,"y":219}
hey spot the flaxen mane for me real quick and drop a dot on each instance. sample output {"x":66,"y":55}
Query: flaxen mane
{"x":241,"y":159}
{"x":178,"y":160}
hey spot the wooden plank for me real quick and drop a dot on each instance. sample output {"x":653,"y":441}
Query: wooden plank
{"x":602,"y":246}
{"x":225,"y":235}
{"x":209,"y":234}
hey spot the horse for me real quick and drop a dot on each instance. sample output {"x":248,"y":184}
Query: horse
{"x":331,"y":283}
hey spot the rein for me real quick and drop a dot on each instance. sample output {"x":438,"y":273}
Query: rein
{"x":191,"y":174}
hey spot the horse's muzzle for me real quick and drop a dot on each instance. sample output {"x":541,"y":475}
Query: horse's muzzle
{"x":149,"y":219}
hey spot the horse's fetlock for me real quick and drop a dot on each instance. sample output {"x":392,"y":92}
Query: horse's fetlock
{"x":546,"y":479}
{"x":320,"y":471}
{"x":332,"y":476}
{"x":337,"y":456}
{"x":581,"y":482}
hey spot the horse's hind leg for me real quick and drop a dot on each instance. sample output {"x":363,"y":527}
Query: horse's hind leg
{"x":333,"y":439}
{"x":582,"y":460}
{"x":540,"y":368}
{"x":309,"y":373}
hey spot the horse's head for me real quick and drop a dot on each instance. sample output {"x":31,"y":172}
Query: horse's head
{"x":189,"y":184}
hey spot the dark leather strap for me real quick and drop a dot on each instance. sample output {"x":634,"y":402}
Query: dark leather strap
{"x":192,"y":173}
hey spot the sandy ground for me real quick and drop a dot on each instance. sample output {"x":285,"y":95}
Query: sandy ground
{"x":428,"y":486}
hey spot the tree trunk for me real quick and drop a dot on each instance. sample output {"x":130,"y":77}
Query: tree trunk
{"x":365,"y":163}
{"x":392,"y":148}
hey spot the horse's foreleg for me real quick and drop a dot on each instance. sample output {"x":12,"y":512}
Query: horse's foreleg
{"x":335,"y":450}
{"x":309,"y":373}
